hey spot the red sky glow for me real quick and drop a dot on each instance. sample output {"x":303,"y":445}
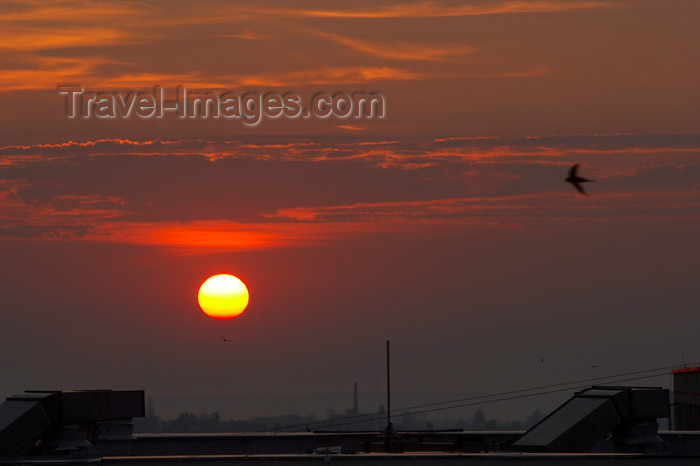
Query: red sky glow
{"x":445,"y":226}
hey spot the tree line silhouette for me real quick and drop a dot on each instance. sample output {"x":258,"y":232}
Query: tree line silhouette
{"x":187,"y":422}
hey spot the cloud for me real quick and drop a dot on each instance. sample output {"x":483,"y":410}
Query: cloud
{"x":35,"y":211}
{"x":327,"y":75}
{"x":305,"y":225}
{"x":84,"y":72}
{"x":40,"y":26}
{"x":33,"y":11}
{"x":94,"y":45}
{"x":205,"y":194}
{"x":551,"y":150}
{"x":247,"y":34}
{"x":194,"y":236}
{"x":400,"y":50}
{"x":202,"y":235}
{"x":33,"y":38}
{"x":50,"y":72}
{"x":506,"y":211}
{"x":88,"y":143}
{"x":324,"y":75}
{"x":435,"y":10}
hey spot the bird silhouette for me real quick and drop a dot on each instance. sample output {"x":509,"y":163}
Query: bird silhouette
{"x":224,"y":339}
{"x":577,"y":180}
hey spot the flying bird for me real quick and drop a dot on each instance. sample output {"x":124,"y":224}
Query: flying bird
{"x":224,"y":339}
{"x":577,"y":180}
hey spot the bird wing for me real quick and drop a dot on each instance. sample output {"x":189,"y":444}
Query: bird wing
{"x":580,"y":188}
{"x":572,"y":172}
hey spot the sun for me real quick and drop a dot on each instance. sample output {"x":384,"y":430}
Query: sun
{"x":223,"y":296}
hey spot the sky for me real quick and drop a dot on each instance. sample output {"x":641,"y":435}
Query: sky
{"x":443,"y":225}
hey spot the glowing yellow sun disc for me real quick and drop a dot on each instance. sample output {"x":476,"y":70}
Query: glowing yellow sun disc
{"x":223,"y":296}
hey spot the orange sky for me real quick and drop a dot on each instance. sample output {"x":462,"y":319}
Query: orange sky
{"x":445,"y":226}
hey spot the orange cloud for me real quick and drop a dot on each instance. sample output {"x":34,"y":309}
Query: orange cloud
{"x":36,"y":25}
{"x":33,"y":11}
{"x":434,"y":10}
{"x":58,"y":214}
{"x":89,"y":143}
{"x":198,"y":234}
{"x":247,"y":34}
{"x":499,"y":210}
{"x":328,"y":75}
{"x":317,"y":76}
{"x":65,"y":71}
{"x":49,"y":72}
{"x":386,"y":153}
{"x":33,"y":27}
{"x":402,"y":211}
{"x":400,"y":50}
{"x":33,"y":38}
{"x":90,"y":218}
{"x":203,"y":236}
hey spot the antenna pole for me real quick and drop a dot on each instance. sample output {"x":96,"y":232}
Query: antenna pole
{"x":388,"y":387}
{"x":389,"y":431}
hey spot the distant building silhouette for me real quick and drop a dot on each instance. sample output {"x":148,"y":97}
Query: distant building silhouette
{"x":686,"y":398}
